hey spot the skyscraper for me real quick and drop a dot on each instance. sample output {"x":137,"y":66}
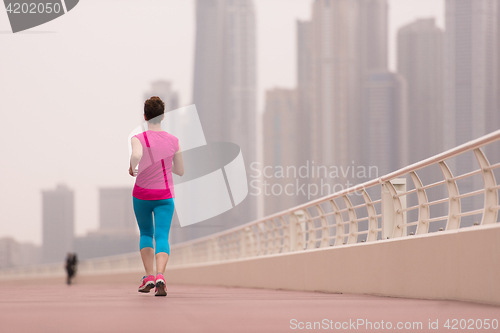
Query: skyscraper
{"x":470,"y":69}
{"x":470,"y":83}
{"x":349,"y":41}
{"x":373,"y":56}
{"x":336,"y":78}
{"x":304,"y":96}
{"x":224,"y":88}
{"x":304,"y":87}
{"x":386,"y":109}
{"x":419,"y":61}
{"x":280,"y":123}
{"x":374,"y":35}
{"x":58,"y":223}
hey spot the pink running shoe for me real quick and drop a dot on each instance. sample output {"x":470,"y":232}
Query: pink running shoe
{"x":148,"y":282}
{"x":161,"y":287}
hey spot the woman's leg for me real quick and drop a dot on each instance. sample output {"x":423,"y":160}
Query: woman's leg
{"x":161,"y":262}
{"x":163,"y":219}
{"x":144,"y":215}
{"x":148,"y":259}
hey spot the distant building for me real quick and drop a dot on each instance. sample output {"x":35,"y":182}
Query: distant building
{"x":116,"y":211}
{"x":225,"y":92}
{"x":374,"y":35}
{"x":471,"y":88}
{"x":373,"y":48}
{"x":420,"y":62}
{"x":58,"y":223}
{"x":102,"y":243}
{"x":280,"y":126}
{"x":347,"y":40}
{"x":118,"y":230}
{"x":336,"y":75}
{"x":386,"y":112}
{"x":224,"y":87}
{"x":30,"y":254}
{"x":10,"y":252}
{"x":13,"y":253}
{"x":471,"y":70}
{"x":304,"y":119}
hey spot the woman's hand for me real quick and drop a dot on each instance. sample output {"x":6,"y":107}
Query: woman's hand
{"x":178,"y":163}
{"x":131,"y":172}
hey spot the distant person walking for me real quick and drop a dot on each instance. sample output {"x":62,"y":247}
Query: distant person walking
{"x":71,"y":266}
{"x":159,"y":155}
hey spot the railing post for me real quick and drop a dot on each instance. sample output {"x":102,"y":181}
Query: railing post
{"x":246,"y":242}
{"x":490,"y":194}
{"x":286,"y":235}
{"x":243,"y":243}
{"x":454,"y":204}
{"x":292,"y":234}
{"x":324,"y":227}
{"x":372,"y":220}
{"x":423,"y":207}
{"x":339,"y":227}
{"x":387,"y":212}
{"x":296,"y":218}
{"x":390,"y":206}
{"x":353,"y":226}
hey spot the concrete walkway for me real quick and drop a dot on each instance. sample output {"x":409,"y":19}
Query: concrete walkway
{"x":120,"y":308}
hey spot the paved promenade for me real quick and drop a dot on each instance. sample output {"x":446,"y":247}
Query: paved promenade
{"x":86,"y":308}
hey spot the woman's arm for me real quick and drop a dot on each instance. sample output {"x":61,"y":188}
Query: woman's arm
{"x":178,"y":163}
{"x":136,"y":156}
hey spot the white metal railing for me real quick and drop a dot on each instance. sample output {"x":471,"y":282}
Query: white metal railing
{"x":46,"y":270}
{"x":117,"y":263}
{"x":333,"y":220}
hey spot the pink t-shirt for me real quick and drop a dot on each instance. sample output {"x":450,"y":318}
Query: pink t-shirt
{"x":154,"y":177}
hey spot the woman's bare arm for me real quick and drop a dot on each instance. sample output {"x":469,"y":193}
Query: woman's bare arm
{"x":136,"y":156}
{"x":178,"y":163}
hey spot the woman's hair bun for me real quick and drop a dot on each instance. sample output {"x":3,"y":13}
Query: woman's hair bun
{"x":154,"y":107}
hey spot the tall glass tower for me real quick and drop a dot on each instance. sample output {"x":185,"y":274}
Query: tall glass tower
{"x":224,"y":89}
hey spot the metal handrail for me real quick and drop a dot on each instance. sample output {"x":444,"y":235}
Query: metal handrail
{"x":297,"y":229}
{"x":301,"y":227}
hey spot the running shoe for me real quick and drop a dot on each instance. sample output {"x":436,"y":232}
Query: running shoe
{"x":161,"y":287}
{"x":148,"y":282}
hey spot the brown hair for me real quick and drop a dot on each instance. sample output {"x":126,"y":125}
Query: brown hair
{"x":153,"y":108}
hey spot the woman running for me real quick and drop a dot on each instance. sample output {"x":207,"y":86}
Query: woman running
{"x":159,"y":154}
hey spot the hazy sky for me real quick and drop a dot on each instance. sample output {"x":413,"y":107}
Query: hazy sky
{"x":71,"y":90}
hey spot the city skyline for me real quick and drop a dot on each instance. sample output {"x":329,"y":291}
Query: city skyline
{"x":354,"y":109}
{"x":111,"y":109}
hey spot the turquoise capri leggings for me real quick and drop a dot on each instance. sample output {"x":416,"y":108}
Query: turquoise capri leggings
{"x":163,"y":211}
